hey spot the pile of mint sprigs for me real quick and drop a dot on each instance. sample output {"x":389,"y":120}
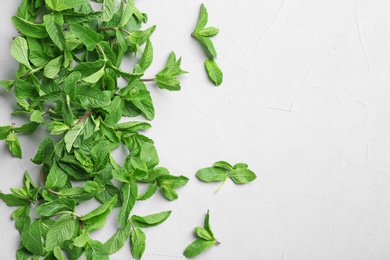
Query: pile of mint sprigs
{"x":70,"y":62}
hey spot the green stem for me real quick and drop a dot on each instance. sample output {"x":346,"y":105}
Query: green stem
{"x":102,"y":51}
{"x":220,"y":187}
{"x":32,"y":72}
{"x":68,"y":212}
{"x":148,"y":80}
{"x":114,"y":29}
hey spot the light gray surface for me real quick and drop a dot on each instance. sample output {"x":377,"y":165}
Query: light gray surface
{"x":305,"y":102}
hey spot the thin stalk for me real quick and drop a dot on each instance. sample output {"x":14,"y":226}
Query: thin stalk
{"x":220,"y":187}
{"x":148,"y":80}
{"x":32,"y":72}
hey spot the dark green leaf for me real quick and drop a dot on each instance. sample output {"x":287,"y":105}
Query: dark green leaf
{"x":28,"y":128}
{"x":87,"y":36}
{"x":45,"y":151}
{"x":32,"y":238}
{"x":4,"y":132}
{"x":63,"y":229}
{"x":52,"y":207}
{"x":63,"y":5}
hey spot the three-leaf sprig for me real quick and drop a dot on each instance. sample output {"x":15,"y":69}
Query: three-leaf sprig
{"x":204,"y":241}
{"x":203,"y":34}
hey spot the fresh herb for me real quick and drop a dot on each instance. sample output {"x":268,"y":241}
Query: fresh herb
{"x":204,"y":241}
{"x":68,"y":83}
{"x":221,"y":171}
{"x":203,"y":34}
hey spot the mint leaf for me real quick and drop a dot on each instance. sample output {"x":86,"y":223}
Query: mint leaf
{"x":63,"y":229}
{"x":30,"y":29}
{"x":203,"y":18}
{"x":45,"y":151}
{"x":19,"y":51}
{"x":53,"y":67}
{"x":118,"y":240}
{"x":242,"y":175}
{"x":53,"y":23}
{"x":147,"y":56}
{"x":63,"y":5}
{"x":197,"y":247}
{"x":150,"y":220}
{"x":14,"y":145}
{"x":108,"y":10}
{"x":206,"y":239}
{"x":214,"y":72}
{"x":166,"y":78}
{"x":137,"y":243}
{"x":56,"y":179}
{"x":32,"y":238}
{"x":87,"y":36}
{"x":211,"y":174}
{"x":129,"y":197}
{"x":50,"y":208}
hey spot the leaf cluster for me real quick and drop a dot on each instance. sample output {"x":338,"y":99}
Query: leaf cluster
{"x":204,"y":241}
{"x":221,"y":171}
{"x":203,"y":34}
{"x":69,"y":83}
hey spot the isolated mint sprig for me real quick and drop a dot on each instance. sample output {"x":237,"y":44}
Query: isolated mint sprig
{"x":221,"y":171}
{"x":203,"y":34}
{"x":204,"y":241}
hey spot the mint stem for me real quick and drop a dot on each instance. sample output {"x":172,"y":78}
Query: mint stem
{"x":148,"y":80}
{"x":32,"y":72}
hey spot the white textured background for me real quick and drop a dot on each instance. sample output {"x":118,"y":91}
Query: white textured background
{"x":305,"y":102}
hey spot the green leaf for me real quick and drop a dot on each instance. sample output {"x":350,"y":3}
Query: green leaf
{"x":28,"y":128}
{"x":53,"y":23}
{"x":208,"y":46}
{"x":81,"y":240}
{"x":57,"y":128}
{"x":147,"y":56}
{"x":242,"y":175}
{"x":129,"y":197}
{"x":32,"y":238}
{"x":197,"y":247}
{"x":118,"y":240}
{"x":224,"y":165}
{"x":207,"y":224}
{"x":37,"y":116}
{"x":203,"y":18}
{"x":87,"y":36}
{"x":72,"y":135}
{"x":115,"y":111}
{"x":95,"y":250}
{"x":240,"y":165}
{"x":137,"y":243}
{"x":149,"y":155}
{"x":150,"y":220}
{"x":64,"y":5}
{"x":152,"y":188}
{"x":45,"y":151}
{"x":208,"y":32}
{"x":92,"y":98}
{"x":132,"y":126}
{"x":108,"y":10}
{"x":63,"y":229}
{"x":8,"y":84}
{"x":99,"y":213}
{"x":166,"y":78}
{"x":14,"y":145}
{"x":203,"y":233}
{"x":50,"y":208}
{"x":57,"y":178}
{"x":13,"y":201}
{"x":211,"y":174}
{"x":19,"y":50}
{"x":53,"y":67}
{"x":214,"y":72}
{"x":4,"y":132}
{"x":28,"y":28}
{"x":58,"y":253}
